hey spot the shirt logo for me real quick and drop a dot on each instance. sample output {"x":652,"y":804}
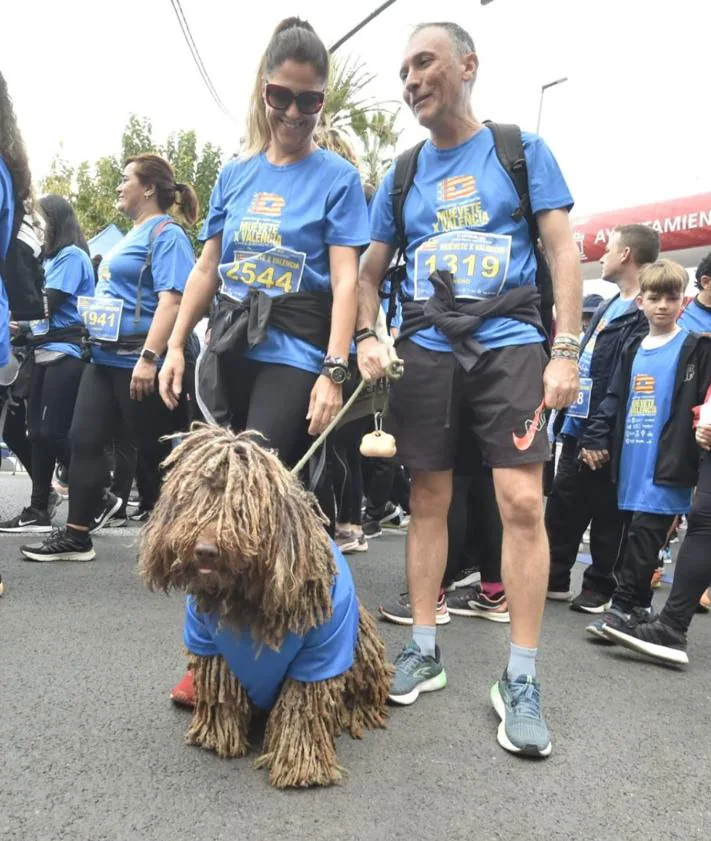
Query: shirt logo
{"x":458,"y":187}
{"x":267,"y":204}
{"x":644,"y":384}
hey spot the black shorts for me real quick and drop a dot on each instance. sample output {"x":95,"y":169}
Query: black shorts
{"x":501,"y":398}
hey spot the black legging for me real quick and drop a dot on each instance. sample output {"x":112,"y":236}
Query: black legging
{"x":273,"y":400}
{"x":693,"y":564}
{"x":15,"y":434}
{"x":104,"y":401}
{"x":50,"y":407}
{"x":347,"y":470}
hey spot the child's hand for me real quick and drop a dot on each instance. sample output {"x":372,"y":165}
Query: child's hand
{"x":595,"y":459}
{"x":703,"y":436}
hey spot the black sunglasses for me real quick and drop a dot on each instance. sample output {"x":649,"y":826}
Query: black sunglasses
{"x":280,"y":99}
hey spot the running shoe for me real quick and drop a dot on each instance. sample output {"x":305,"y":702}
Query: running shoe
{"x":30,"y":521}
{"x":416,"y":672}
{"x":613,"y":617}
{"x":183,"y":693}
{"x":393,"y":518}
{"x":60,"y":546}
{"x":588,"y":601}
{"x":349,"y":541}
{"x":518,"y":704}
{"x":110,"y":504}
{"x":141,"y":515}
{"x":654,"y":638}
{"x":472,"y":601}
{"x":559,"y":595}
{"x":117,"y":520}
{"x":60,"y":481}
{"x":665,"y":555}
{"x":464,"y":578}
{"x":400,"y":612}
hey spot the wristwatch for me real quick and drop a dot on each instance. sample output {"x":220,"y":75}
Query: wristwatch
{"x":149,"y":355}
{"x":336,"y":369}
{"x":365,"y":333}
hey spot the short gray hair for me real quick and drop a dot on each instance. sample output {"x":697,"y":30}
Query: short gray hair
{"x":462,"y":40}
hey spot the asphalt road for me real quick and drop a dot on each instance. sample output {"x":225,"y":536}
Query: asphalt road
{"x":91,"y":749}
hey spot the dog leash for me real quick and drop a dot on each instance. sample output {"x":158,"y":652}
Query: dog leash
{"x":394,"y":372}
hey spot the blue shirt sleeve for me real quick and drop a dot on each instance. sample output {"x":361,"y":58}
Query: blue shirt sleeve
{"x":173,"y":260}
{"x":347,"y":212}
{"x":69,"y":271}
{"x":217,"y":211}
{"x":7,"y":209}
{"x":197,"y":637}
{"x":382,"y":222}
{"x":546,"y":183}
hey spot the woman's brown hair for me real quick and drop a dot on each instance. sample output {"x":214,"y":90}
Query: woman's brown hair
{"x":154,"y":171}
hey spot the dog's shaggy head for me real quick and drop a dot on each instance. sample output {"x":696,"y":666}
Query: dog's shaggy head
{"x":236,"y":530}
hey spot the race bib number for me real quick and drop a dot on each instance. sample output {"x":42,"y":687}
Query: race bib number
{"x":580,"y":407}
{"x":276,"y":272}
{"x":478,"y":262}
{"x":102,"y":317}
{"x":39,"y":327}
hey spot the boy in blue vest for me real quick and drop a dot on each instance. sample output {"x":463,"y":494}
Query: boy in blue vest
{"x":644,"y":428}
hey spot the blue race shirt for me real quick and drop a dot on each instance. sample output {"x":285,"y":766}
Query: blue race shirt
{"x":277,"y":223}
{"x":696,"y":318}
{"x":324,"y":652}
{"x":649,"y":406}
{"x":619,"y":307}
{"x":7,"y":216}
{"x":458,"y":217}
{"x":119,"y":271}
{"x":68,"y":271}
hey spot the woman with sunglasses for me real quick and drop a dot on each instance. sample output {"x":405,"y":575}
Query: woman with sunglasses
{"x":282,"y":238}
{"x":286,"y":224}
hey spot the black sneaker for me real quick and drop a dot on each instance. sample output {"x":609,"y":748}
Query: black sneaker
{"x":140,"y":516}
{"x":464,"y":578}
{"x":117,"y":520}
{"x":472,"y":601}
{"x":613,"y":617}
{"x":371,"y":528}
{"x":30,"y":521}
{"x":60,"y":546}
{"x":590,"y":602}
{"x":654,"y":638}
{"x":394,"y":517}
{"x":109,"y":506}
{"x":400,"y":612}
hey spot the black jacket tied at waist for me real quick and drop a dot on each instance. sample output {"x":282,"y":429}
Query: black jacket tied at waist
{"x":241,"y":325}
{"x":458,"y":320}
{"x":72,"y":335}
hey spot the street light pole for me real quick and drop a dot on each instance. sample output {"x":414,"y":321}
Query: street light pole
{"x":544,"y":88}
{"x":364,"y":22}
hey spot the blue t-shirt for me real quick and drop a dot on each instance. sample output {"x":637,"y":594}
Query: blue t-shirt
{"x":68,"y":271}
{"x":324,"y":652}
{"x":7,"y":216}
{"x":277,"y":223}
{"x":618,"y":308}
{"x":649,"y":406}
{"x":696,"y":318}
{"x":458,"y":216}
{"x":120,"y":269}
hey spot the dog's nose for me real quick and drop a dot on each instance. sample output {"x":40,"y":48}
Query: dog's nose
{"x":206,"y":553}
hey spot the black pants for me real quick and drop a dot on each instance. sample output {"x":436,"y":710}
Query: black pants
{"x":50,"y":408}
{"x":474,"y":527}
{"x":643,"y":537}
{"x":347,"y":470}
{"x":692,"y":574}
{"x":581,"y":497}
{"x":104,"y":401}
{"x":15,"y":434}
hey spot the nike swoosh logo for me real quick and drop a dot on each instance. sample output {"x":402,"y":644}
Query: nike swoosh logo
{"x":28,"y":523}
{"x":523,"y":442}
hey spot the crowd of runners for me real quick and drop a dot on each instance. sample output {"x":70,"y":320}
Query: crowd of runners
{"x":463,"y":264}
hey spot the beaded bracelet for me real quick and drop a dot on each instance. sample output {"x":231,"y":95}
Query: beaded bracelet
{"x":557,"y":353}
{"x":566,"y":340}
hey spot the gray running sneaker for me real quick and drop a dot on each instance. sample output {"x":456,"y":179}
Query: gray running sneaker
{"x":416,"y":672}
{"x":518,"y":704}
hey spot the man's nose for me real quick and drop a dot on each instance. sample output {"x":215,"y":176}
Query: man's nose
{"x":206,"y":553}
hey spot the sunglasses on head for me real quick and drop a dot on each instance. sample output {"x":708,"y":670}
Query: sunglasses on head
{"x":280,"y":99}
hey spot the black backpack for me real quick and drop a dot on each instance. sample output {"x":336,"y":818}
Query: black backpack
{"x":509,"y":151}
{"x":22,"y":271}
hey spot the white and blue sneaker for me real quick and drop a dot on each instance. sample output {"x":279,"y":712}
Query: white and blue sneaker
{"x":416,"y":672}
{"x":518,"y":704}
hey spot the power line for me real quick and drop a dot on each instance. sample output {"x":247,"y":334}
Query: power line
{"x":364,"y":22}
{"x":192,"y":46}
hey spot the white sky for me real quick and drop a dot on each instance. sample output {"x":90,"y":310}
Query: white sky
{"x":630,"y":126}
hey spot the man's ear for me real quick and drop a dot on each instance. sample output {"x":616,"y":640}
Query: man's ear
{"x":626,"y":255}
{"x":471,"y":66}
{"x":705,"y":282}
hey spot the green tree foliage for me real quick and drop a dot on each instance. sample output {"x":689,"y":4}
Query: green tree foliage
{"x":91,"y":187}
{"x":378,"y":136}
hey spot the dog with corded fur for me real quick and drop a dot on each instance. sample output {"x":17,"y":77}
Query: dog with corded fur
{"x":272,"y":621}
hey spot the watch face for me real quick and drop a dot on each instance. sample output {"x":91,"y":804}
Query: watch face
{"x":338,"y":374}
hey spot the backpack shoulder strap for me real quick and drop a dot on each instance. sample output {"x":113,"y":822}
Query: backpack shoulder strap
{"x":509,"y":150}
{"x":405,"y":169}
{"x":148,"y":264}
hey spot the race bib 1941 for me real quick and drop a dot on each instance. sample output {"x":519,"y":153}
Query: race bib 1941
{"x":276,"y":272}
{"x":102,"y":317}
{"x":478,"y":263}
